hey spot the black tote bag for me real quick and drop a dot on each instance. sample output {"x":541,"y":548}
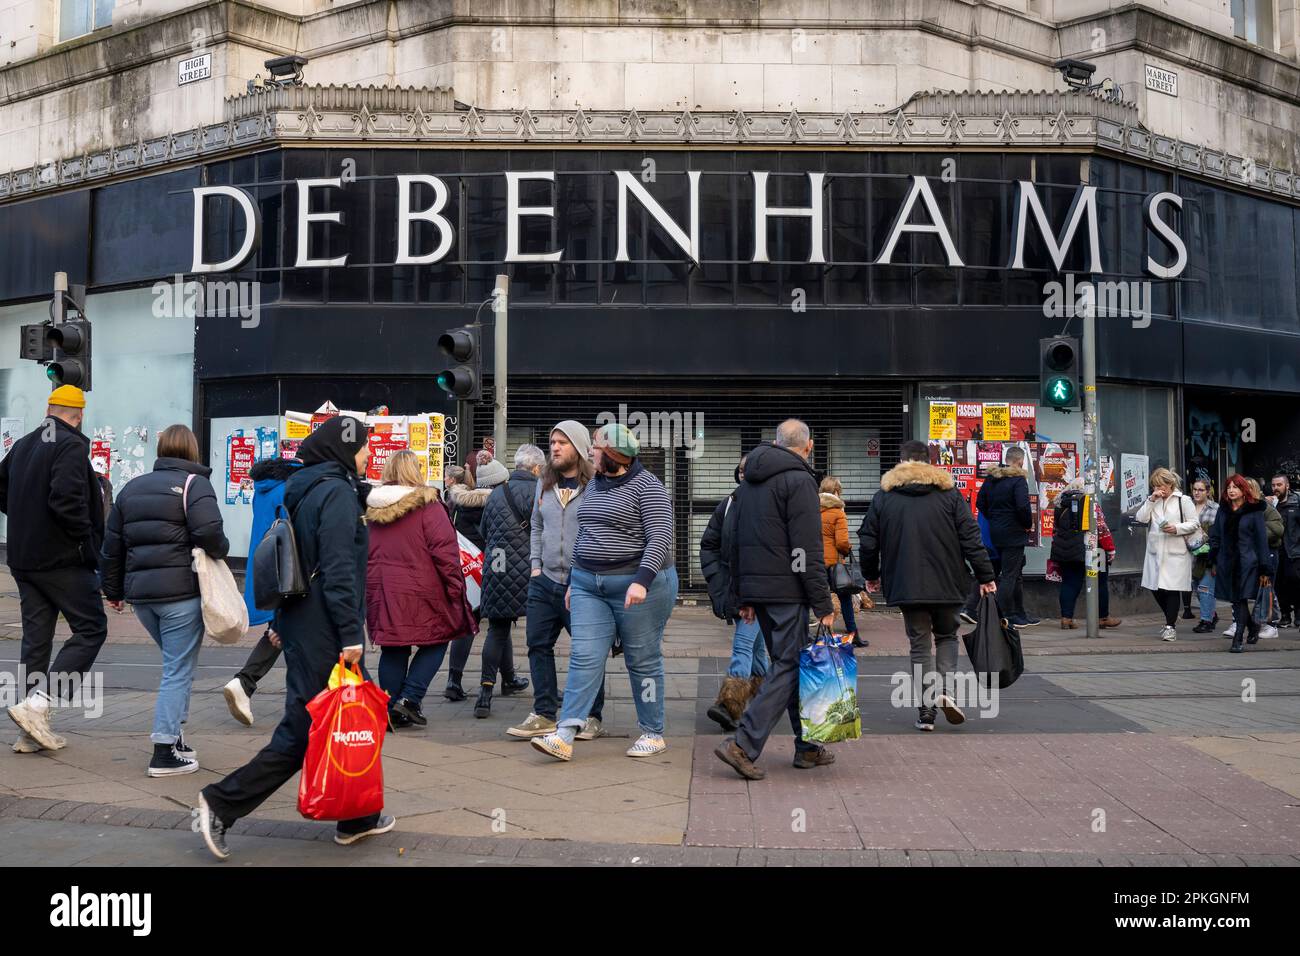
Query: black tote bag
{"x":994,"y":646}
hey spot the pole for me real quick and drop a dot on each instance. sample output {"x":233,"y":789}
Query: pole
{"x":1091,"y":459}
{"x":500,"y":306}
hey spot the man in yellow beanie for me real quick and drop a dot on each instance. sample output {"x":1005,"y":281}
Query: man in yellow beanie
{"x":56,"y":526}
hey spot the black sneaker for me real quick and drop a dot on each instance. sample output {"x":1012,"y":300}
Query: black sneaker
{"x":1187,"y":614}
{"x":926,"y":719}
{"x":1285,"y":621}
{"x":185,"y":750}
{"x":515,"y":685}
{"x":213,"y":830}
{"x":385,"y":823}
{"x":168,"y":763}
{"x":453,"y":691}
{"x":410,"y":711}
{"x":397,"y":719}
{"x":1204,"y":627}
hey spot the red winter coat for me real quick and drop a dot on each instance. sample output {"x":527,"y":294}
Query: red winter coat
{"x":415,"y":591}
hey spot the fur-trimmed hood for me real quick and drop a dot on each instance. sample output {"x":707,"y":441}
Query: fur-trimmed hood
{"x":465,"y":498}
{"x":915,"y":473}
{"x":1007,"y":471}
{"x":387,"y":503}
{"x":830,"y":501}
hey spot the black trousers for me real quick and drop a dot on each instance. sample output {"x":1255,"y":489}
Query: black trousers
{"x":785,"y":631}
{"x":1011,"y":589}
{"x":1169,"y":602}
{"x":459,"y":657}
{"x":1287,"y":584}
{"x":308,"y":661}
{"x":259,"y":664}
{"x":497,"y":651}
{"x":43,"y":596}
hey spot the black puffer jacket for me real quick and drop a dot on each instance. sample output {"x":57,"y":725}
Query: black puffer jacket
{"x":776,"y":557}
{"x":506,"y":564}
{"x":53,"y":500}
{"x":1069,"y":545}
{"x":919,"y":537}
{"x":1004,"y":502}
{"x":714,"y":544}
{"x":150,"y":534}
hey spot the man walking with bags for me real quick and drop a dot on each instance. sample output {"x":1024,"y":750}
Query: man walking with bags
{"x":55,"y":507}
{"x":918,"y":539}
{"x":777,"y":573}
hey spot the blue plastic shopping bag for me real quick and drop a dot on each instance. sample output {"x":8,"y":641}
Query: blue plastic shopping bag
{"x":828,"y":690}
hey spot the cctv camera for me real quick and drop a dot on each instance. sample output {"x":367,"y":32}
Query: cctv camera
{"x":1076,"y":72}
{"x":283,"y":67}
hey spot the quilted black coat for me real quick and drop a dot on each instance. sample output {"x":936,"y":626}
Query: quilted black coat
{"x":506,"y":565}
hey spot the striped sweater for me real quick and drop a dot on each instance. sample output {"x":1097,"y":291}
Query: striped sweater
{"x":625,"y":526}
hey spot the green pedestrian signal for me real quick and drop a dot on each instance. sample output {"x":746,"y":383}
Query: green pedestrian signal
{"x":1060,"y":392}
{"x":1058,"y":372}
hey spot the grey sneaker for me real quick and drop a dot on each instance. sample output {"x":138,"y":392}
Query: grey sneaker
{"x":534,"y":726}
{"x":385,"y":823}
{"x":213,"y":830}
{"x":591,"y":730}
{"x":25,"y":744}
{"x":36,"y":724}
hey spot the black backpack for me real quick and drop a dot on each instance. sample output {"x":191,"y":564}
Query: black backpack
{"x":277,"y":564}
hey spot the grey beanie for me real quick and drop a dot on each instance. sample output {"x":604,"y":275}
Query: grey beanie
{"x":577,"y":433}
{"x":490,"y":474}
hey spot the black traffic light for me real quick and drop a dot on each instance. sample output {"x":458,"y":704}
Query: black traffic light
{"x":463,"y":380}
{"x":35,"y":344}
{"x":70,"y":362}
{"x":1058,"y":372}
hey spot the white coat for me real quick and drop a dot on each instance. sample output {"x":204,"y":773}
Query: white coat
{"x":1168,"y":563}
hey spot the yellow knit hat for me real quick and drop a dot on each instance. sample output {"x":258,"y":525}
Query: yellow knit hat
{"x":68,"y":396}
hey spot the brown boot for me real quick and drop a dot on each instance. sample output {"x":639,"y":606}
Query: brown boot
{"x":1109,"y":622}
{"x":755,"y":683}
{"x":733,"y":696}
{"x":729,"y":752}
{"x":1067,"y":624}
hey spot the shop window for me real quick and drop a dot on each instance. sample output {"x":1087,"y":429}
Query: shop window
{"x":1252,"y":21}
{"x":79,"y":17}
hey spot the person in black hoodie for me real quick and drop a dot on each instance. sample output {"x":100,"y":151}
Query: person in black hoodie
{"x":916,"y":543}
{"x":1004,"y":501}
{"x":1240,"y":559}
{"x":777,"y":572}
{"x":326,"y":502}
{"x":158,"y":519}
{"x":56,"y":526}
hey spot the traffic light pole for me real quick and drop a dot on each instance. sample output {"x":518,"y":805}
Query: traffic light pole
{"x":501,"y":309}
{"x":1091,"y":459}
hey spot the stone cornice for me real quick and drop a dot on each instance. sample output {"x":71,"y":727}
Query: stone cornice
{"x":333,"y":116}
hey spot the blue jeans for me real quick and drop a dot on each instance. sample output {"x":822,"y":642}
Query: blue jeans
{"x":1205,"y":595}
{"x":748,"y":651}
{"x":177,"y":628}
{"x":597,"y":615}
{"x":401,"y":675}
{"x":1073,"y":576}
{"x":547,"y":616}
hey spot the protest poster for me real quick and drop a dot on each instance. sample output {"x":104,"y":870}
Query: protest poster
{"x":1133,"y":481}
{"x":997,"y":421}
{"x":970,"y":421}
{"x":943,"y":421}
{"x":1024,"y":420}
{"x":11,"y":429}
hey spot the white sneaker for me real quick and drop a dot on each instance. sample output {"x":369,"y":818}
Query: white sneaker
{"x":553,"y":745}
{"x":1267,"y":631}
{"x":591,"y":730}
{"x":241,"y":707}
{"x":36,"y":724}
{"x":647,"y":745}
{"x":950,"y":709}
{"x":1168,"y":634}
{"x":26,"y":745}
{"x":1231,"y":631}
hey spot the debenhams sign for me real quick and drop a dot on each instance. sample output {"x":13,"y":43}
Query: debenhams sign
{"x":1082,"y":217}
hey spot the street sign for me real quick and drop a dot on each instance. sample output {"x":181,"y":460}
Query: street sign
{"x":195,"y":68}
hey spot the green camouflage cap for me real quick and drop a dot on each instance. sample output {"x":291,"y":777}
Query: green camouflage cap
{"x":620,"y":438}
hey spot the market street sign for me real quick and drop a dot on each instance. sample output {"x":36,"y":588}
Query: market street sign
{"x":1081,"y":222}
{"x":1162,"y":81}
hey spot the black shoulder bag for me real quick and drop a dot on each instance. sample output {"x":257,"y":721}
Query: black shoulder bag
{"x":277,"y":564}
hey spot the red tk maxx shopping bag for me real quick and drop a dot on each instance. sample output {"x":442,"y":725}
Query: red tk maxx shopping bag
{"x":343,"y":776}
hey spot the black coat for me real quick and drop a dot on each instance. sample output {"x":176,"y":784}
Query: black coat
{"x":466,"y":509}
{"x":1290,"y":512}
{"x":333,"y":544}
{"x":146,"y":557}
{"x":1004,"y":502}
{"x":1239,"y":551}
{"x":776,"y":557}
{"x":506,"y":572}
{"x":919,"y":537}
{"x":53,"y":500}
{"x":714,"y":544}
{"x":1069,"y":543}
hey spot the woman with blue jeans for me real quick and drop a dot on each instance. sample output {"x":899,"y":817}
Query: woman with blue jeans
{"x":1207,"y":509}
{"x":155,"y":522}
{"x":622,"y":588}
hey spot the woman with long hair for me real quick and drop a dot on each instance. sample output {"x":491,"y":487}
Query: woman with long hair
{"x":1207,"y":509}
{"x":415,"y":592}
{"x":1240,"y":558}
{"x":157,"y":520}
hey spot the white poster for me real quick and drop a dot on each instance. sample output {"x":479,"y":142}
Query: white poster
{"x":1133,"y":481}
{"x":11,"y":429}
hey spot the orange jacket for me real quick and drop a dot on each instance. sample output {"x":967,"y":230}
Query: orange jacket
{"x":835,"y":530}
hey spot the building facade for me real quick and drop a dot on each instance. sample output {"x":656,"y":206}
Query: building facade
{"x":713,"y":215}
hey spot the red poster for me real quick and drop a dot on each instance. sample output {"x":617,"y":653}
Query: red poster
{"x":970,"y":421}
{"x":101,"y":457}
{"x":1023,"y":422}
{"x":1034,"y":518}
{"x":975,"y":485}
{"x":243,"y":455}
{"x":382,"y":446}
{"x":1047,"y":522}
{"x":988,"y":453}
